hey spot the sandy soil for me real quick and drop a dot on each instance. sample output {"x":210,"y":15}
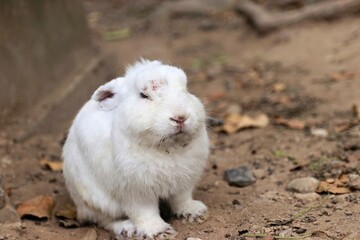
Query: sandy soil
{"x":229,"y":64}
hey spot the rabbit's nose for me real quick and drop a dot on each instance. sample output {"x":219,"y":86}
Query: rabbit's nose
{"x":179,"y":118}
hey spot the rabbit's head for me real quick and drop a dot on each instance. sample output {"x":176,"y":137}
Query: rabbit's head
{"x":152,"y":104}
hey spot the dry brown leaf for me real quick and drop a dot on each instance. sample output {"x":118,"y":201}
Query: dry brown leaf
{"x":290,"y":123}
{"x":54,"y":166}
{"x":68,"y":212}
{"x":278,"y":87}
{"x":67,"y":217}
{"x":234,"y":122}
{"x":334,"y":186}
{"x":90,"y":235}
{"x":39,"y":207}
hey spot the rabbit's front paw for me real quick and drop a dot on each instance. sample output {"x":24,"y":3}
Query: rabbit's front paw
{"x":123,"y":229}
{"x":155,"y":231}
{"x":192,"y":211}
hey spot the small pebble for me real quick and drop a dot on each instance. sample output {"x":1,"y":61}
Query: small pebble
{"x":303,"y":185}
{"x":325,"y":213}
{"x":300,"y":230}
{"x":337,"y":199}
{"x":239,"y":177}
{"x":236,"y":204}
{"x":286,"y":233}
{"x":354,"y":182}
{"x":348,"y":213}
{"x":338,"y":207}
{"x":192,"y":238}
{"x":319,"y":132}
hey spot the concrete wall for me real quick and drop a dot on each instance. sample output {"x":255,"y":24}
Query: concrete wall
{"x":42,"y":42}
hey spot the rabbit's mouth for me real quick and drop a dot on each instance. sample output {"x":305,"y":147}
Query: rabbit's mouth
{"x":180,"y":131}
{"x":179,"y":135}
{"x":175,"y":141}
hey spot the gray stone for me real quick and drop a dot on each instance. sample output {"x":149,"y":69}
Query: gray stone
{"x":303,"y":185}
{"x":286,"y":232}
{"x":239,"y":177}
{"x":354,"y":182}
{"x":7,"y":212}
{"x":307,"y":197}
{"x":2,"y":194}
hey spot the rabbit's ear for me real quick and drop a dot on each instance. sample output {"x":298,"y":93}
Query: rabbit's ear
{"x":107,"y":95}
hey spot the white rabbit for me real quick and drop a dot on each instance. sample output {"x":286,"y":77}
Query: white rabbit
{"x":139,"y":139}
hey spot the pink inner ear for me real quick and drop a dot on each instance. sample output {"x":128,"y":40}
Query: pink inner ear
{"x":104,"y":95}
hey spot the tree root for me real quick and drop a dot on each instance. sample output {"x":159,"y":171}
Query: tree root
{"x":266,"y":21}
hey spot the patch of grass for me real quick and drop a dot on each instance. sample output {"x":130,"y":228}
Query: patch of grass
{"x":280,"y":154}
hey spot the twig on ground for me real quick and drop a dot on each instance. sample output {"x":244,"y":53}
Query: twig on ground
{"x":266,"y":21}
{"x":296,"y":215}
{"x":278,"y":237}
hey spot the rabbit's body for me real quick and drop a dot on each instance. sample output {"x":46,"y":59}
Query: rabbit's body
{"x":126,"y":151}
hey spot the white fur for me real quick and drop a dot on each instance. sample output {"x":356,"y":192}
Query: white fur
{"x":122,"y":153}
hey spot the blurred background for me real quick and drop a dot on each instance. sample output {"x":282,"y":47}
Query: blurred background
{"x":54,"y":54}
{"x":280,"y":80}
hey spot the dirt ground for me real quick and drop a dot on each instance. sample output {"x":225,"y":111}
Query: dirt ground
{"x":230,"y":66}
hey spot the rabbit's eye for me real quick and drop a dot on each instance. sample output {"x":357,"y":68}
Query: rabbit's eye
{"x":143,"y":95}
